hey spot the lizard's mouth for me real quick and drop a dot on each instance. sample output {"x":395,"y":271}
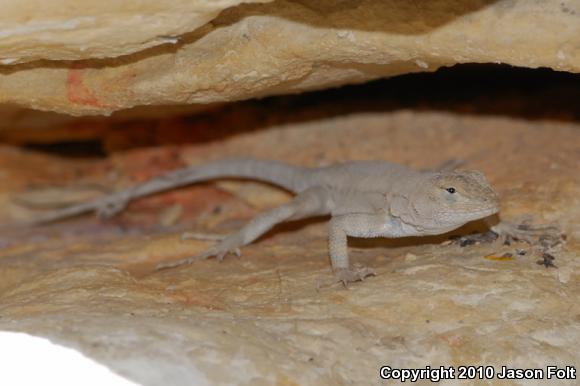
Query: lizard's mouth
{"x":472,"y":215}
{"x":461,"y":219}
{"x":482,"y":213}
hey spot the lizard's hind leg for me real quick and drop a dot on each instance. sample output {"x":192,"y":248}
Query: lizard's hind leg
{"x":311,"y":202}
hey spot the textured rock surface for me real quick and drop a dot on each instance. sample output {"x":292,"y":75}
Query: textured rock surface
{"x":261,"y":319}
{"x":279,"y":47}
{"x":73,"y":30}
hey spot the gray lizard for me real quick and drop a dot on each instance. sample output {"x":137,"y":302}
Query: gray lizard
{"x":364,"y":199}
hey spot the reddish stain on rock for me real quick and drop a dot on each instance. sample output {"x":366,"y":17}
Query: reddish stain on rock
{"x":77,"y":92}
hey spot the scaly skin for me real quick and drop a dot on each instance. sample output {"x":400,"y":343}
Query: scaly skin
{"x":363,"y":198}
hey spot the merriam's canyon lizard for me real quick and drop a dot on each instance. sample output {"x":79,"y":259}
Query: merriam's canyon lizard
{"x":363,"y":199}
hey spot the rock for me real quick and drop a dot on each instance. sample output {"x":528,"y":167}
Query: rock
{"x":253,"y":50}
{"x":272,"y":315}
{"x":75,"y":30}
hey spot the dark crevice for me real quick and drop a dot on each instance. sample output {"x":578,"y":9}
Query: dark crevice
{"x":474,"y":89}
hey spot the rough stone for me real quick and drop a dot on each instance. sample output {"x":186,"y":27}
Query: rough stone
{"x":75,"y":30}
{"x":272,"y":316}
{"x":252,"y":50}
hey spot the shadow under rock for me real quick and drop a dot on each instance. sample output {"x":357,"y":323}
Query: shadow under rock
{"x":471,"y":228}
{"x":403,"y":17}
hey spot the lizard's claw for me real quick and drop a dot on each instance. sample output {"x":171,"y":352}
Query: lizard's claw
{"x":357,"y":273}
{"x":220,"y":253}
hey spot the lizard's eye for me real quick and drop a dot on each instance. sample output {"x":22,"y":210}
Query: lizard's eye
{"x":451,"y":190}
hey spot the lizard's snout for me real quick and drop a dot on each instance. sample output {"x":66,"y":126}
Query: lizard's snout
{"x":492,"y":200}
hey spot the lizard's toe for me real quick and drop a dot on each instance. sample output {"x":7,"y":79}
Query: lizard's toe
{"x":201,"y":236}
{"x":357,"y":273}
{"x":221,"y":255}
{"x":230,"y":245}
{"x":219,"y":250}
{"x":188,"y":260}
{"x":176,"y":263}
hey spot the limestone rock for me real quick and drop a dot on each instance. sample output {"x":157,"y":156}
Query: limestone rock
{"x":253,"y":50}
{"x":72,"y":30}
{"x":272,"y":316}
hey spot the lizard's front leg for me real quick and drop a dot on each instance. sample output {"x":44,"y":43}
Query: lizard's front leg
{"x":357,"y":225}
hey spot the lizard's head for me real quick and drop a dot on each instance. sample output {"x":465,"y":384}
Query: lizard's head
{"x":448,"y":200}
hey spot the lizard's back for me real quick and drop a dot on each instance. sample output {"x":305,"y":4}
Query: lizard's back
{"x":368,"y":176}
{"x":359,"y":186}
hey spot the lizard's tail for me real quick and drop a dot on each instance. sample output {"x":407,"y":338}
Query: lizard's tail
{"x":286,"y":176}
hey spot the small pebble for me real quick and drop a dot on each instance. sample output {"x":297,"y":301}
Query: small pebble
{"x":547,"y":260}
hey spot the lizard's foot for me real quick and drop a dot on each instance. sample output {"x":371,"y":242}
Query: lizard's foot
{"x":357,"y":273}
{"x":546,"y":236}
{"x":110,"y":209}
{"x":229,"y":245}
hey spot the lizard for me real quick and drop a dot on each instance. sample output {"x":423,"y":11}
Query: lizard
{"x":363,"y":199}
